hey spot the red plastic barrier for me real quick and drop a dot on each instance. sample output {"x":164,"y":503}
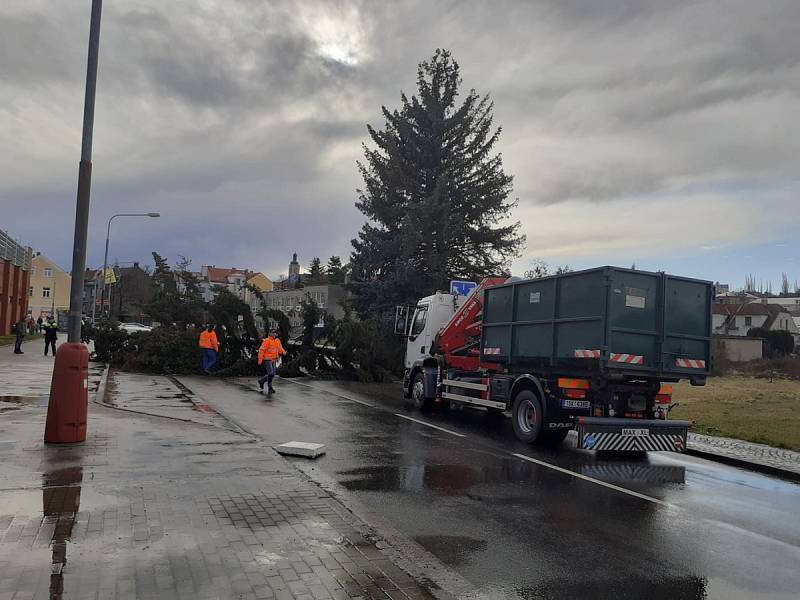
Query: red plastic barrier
{"x":69,"y":396}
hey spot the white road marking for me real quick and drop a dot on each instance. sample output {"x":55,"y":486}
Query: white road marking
{"x":591,"y":479}
{"x":430,"y":425}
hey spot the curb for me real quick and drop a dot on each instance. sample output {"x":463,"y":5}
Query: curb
{"x":100,"y":394}
{"x":746,"y":464}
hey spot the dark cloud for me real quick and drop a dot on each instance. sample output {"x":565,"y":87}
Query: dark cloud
{"x":241,"y":121}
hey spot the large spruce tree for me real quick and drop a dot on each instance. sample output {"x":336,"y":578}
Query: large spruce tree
{"x":435,"y":195}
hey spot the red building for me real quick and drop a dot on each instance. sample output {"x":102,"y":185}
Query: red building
{"x":15,"y":267}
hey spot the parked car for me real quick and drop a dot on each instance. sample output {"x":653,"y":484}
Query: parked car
{"x":134,"y":327}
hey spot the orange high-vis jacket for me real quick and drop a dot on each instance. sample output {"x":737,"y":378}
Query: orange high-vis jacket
{"x":208,"y":340}
{"x":270,"y":349}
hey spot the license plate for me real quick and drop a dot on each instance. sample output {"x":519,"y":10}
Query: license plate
{"x":635,"y":432}
{"x":575,"y":404}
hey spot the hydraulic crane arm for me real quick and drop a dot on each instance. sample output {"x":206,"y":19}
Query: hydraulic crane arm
{"x":461,"y":334}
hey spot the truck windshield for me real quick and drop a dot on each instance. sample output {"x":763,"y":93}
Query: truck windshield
{"x":419,"y":321}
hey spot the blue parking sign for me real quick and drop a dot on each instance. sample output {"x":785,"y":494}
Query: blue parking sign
{"x":462,"y":288}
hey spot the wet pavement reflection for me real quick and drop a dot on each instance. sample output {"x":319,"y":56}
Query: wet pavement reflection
{"x":61,"y":499}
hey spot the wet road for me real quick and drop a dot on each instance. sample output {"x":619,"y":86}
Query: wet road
{"x":523,"y":522}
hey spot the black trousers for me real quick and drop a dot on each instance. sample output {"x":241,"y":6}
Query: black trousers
{"x":18,"y":343}
{"x":47,"y":344}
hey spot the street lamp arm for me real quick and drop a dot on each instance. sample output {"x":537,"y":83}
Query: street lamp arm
{"x":108,"y":236}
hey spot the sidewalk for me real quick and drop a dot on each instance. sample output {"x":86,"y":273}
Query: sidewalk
{"x":759,"y":457}
{"x":165,"y":507}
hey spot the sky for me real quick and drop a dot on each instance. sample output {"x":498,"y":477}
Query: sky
{"x":663,"y":134}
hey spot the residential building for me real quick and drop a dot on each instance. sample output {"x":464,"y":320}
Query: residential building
{"x":728,"y":297}
{"x":738,"y":319}
{"x":91,"y":292}
{"x":328,"y":297}
{"x":49,"y":288}
{"x":15,"y":267}
{"x":233,"y":279}
{"x":130,"y":295}
{"x":790,"y":303}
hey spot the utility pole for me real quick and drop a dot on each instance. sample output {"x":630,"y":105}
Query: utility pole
{"x":84,"y":181}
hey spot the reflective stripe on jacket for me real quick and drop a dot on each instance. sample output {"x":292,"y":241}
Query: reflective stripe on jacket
{"x":270,"y":349}
{"x":208,"y":341}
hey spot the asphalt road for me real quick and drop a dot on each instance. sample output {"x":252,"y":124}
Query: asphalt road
{"x":518,"y":521}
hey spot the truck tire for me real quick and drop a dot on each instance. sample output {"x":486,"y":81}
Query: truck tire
{"x":418,"y":392}
{"x":551,"y":439}
{"x":526,"y":416}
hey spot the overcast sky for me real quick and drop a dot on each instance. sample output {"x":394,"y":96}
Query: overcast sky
{"x":662,"y":133}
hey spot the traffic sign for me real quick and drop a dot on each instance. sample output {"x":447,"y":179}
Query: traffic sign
{"x":462,"y":288}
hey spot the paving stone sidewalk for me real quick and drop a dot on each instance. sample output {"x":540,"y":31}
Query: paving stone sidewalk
{"x":739,"y":450}
{"x":158,"y":508}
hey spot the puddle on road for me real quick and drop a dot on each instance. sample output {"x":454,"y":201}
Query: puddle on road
{"x":453,"y":550}
{"x":17,"y":402}
{"x":457,"y":479}
{"x":447,"y":479}
{"x":660,"y":587}
{"x":61,"y":500}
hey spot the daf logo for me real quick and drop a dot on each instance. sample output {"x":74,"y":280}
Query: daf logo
{"x":559,"y":425}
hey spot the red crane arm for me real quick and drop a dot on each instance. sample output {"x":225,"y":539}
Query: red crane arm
{"x":464,"y":326}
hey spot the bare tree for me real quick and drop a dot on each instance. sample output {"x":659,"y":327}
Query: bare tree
{"x":784,"y":284}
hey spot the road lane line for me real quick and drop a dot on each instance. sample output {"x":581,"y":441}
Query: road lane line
{"x":430,"y":425}
{"x":591,"y":479}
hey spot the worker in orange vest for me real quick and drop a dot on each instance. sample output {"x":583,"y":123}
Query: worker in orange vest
{"x":271,"y":348}
{"x":210,"y":346}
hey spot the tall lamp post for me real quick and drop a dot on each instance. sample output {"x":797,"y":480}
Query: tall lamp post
{"x":105,"y":257}
{"x":68,"y":405}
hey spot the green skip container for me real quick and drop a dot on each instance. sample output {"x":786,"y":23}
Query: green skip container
{"x":618,"y":321}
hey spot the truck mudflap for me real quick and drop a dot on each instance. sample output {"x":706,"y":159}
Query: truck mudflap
{"x":605,"y":433}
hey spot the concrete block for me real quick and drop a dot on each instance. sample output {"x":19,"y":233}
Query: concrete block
{"x":304,"y":449}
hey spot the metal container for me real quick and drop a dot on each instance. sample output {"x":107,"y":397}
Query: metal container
{"x":612,"y":319}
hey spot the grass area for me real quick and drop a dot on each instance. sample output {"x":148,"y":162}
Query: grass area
{"x":747,"y":408}
{"x":8,"y":340}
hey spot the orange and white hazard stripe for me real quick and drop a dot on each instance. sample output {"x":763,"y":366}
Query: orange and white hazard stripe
{"x":690,"y":363}
{"x":628,"y":359}
{"x":587,"y":353}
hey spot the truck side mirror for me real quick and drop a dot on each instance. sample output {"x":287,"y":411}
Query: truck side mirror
{"x":402,"y":320}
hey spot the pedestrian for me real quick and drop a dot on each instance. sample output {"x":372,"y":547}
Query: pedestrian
{"x":39,"y":323}
{"x":271,"y":349}
{"x":50,"y":334}
{"x":31,"y":326}
{"x":210,"y":346}
{"x":84,"y":331}
{"x":19,"y":330}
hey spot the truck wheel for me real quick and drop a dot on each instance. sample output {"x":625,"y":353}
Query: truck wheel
{"x":526,"y":416}
{"x":418,"y":392}
{"x":551,"y":439}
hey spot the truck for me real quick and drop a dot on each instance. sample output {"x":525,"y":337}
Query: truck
{"x":594,"y":350}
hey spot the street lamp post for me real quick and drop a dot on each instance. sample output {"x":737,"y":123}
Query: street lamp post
{"x":84,"y":180}
{"x":67,"y":408}
{"x":105,"y":257}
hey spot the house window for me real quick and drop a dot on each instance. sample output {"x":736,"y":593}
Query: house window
{"x":33,"y":271}
{"x":48,"y":273}
{"x":748,"y":321}
{"x":30,"y":292}
{"x":46,"y":292}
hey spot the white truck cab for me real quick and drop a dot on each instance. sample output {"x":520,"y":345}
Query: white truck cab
{"x":431,"y":314}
